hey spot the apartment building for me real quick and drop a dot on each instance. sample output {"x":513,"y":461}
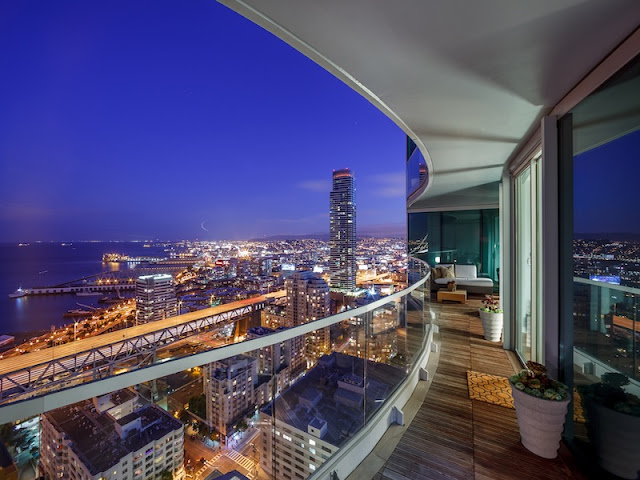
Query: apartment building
{"x":230,"y":392}
{"x":85,"y":441}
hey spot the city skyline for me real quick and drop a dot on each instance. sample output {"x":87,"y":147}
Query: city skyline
{"x":110,"y":108}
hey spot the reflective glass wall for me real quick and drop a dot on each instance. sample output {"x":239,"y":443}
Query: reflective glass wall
{"x":417,"y":173}
{"x":600,"y":158}
{"x":467,"y":237}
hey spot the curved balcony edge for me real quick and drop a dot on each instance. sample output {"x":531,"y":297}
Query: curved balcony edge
{"x":342,"y":463}
{"x":36,"y":405}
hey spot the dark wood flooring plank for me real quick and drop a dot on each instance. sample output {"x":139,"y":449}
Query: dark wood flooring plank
{"x":453,"y":437}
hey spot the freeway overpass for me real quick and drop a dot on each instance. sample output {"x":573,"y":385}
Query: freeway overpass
{"x":95,"y":358}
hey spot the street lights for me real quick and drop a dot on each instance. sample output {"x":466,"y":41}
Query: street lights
{"x":75,"y":330}
{"x":179,"y":307}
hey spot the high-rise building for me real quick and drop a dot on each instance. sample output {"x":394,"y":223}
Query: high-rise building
{"x":229,"y":390}
{"x":316,"y":417}
{"x":272,"y":358}
{"x":155,"y":298}
{"x":272,"y":363}
{"x":266,"y":266}
{"x":307,"y":300}
{"x":342,"y":234}
{"x":107,"y":438}
{"x":275,"y":315}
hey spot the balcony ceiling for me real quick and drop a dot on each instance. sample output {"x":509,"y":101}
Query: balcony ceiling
{"x":467,"y":80}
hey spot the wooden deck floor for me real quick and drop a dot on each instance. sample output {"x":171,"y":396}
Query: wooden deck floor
{"x":453,"y":437}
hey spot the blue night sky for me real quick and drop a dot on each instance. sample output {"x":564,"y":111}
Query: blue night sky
{"x":137,"y":120}
{"x":606,"y":187}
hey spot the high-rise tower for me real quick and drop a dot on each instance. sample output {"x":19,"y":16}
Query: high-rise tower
{"x":155,"y":298}
{"x":342,"y":218}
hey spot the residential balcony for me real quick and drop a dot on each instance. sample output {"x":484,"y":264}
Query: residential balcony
{"x":498,"y":100}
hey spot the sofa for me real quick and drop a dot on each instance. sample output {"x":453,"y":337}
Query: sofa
{"x":465,"y":276}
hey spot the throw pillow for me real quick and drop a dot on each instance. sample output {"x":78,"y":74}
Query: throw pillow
{"x":447,"y":272}
{"x":435,"y":273}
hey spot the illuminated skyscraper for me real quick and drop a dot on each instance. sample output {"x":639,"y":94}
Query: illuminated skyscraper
{"x":342,"y":218}
{"x":155,"y":298}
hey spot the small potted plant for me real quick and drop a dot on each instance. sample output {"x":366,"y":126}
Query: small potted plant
{"x":491,"y":316}
{"x":613,"y":424}
{"x":541,"y":406}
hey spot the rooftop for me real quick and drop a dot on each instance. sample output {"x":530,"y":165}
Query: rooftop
{"x":93,"y":437}
{"x":317,"y":397}
{"x":157,"y":276}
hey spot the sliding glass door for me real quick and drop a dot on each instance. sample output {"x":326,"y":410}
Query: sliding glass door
{"x":528,"y":291}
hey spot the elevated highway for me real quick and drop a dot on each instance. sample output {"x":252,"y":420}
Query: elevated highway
{"x":94,"y":358}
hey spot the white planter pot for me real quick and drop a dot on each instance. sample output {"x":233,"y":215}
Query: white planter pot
{"x":616,"y":439}
{"x":491,"y":325}
{"x":541,"y":422}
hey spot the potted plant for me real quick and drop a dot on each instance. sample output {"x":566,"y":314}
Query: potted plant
{"x":541,"y":406}
{"x":491,"y":316}
{"x":613,"y":424}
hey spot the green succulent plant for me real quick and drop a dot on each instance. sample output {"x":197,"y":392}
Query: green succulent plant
{"x":534,"y":381}
{"x":609,"y":393}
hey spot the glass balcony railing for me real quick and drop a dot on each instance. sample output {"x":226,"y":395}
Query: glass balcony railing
{"x":281,"y":403}
{"x":606,"y":331}
{"x":417,"y":173}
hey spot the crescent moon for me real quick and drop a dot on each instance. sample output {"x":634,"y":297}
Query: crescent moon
{"x":202,"y":226}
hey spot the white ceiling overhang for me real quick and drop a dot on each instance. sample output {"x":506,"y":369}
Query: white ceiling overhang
{"x":467,"y":80}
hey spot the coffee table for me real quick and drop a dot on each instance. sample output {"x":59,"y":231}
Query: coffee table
{"x":457,"y":296}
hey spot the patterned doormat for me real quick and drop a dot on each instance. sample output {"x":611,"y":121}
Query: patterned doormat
{"x":490,"y":389}
{"x":496,"y":391}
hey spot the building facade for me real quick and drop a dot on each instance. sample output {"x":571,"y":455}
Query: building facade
{"x":155,"y":298}
{"x":85,"y":441}
{"x":342,"y":231}
{"x":307,"y":300}
{"x":229,"y":387}
{"x":272,"y":364}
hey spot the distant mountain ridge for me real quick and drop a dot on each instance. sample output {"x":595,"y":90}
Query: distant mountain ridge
{"x":610,"y":236}
{"x":318,"y":236}
{"x":274,"y":238}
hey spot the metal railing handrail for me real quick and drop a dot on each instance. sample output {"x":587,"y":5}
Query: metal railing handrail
{"x":613,"y":286}
{"x":38,"y":404}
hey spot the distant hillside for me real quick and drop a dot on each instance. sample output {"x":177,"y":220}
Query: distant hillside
{"x":619,"y":236}
{"x":275,"y":238}
{"x":323,"y":236}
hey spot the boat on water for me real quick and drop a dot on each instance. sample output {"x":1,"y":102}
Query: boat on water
{"x":77,"y":313}
{"x":89,"y":294}
{"x":110,"y":299}
{"x":18,"y":293}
